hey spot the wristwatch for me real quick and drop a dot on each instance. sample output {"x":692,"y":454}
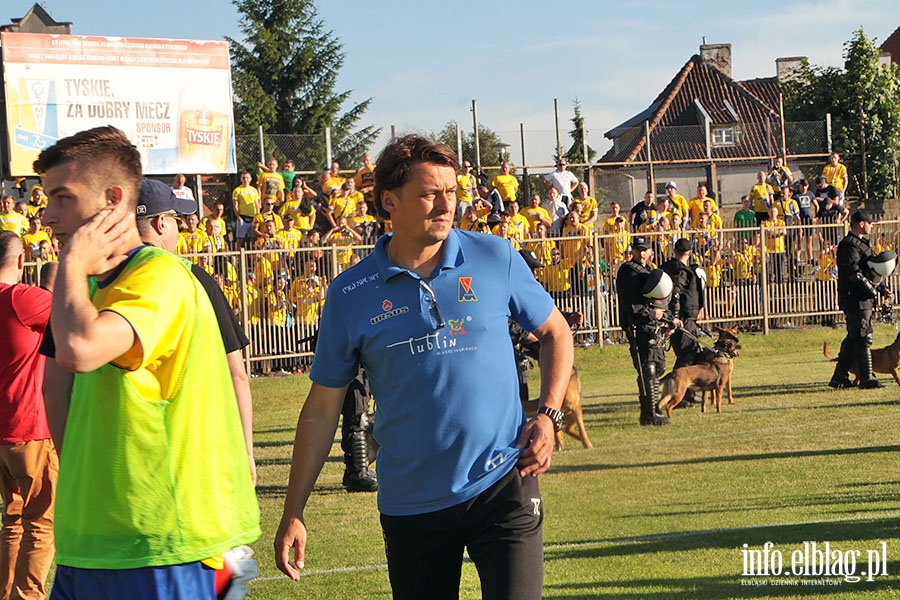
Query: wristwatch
{"x":557,"y":416}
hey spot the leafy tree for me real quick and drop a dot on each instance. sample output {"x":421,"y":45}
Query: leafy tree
{"x":864,"y":101}
{"x":487,"y":142}
{"x":284,"y":74}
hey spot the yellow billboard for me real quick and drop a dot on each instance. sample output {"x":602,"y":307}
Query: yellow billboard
{"x":173,"y":98}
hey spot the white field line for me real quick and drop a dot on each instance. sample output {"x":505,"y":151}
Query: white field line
{"x":613,"y":541}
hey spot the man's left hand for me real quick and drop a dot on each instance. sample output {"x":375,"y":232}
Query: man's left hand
{"x":537,"y":440}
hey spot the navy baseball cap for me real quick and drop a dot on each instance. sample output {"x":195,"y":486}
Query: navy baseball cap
{"x":683,"y":245}
{"x":640,"y":242}
{"x":157,"y":198}
{"x":861,"y":216}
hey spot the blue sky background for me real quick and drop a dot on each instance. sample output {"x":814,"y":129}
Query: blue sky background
{"x":424,"y":61}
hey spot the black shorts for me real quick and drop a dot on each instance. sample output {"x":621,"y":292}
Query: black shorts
{"x":500,"y":528}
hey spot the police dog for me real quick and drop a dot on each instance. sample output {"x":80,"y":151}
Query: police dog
{"x":571,"y":406}
{"x":884,"y":360}
{"x":710,"y":373}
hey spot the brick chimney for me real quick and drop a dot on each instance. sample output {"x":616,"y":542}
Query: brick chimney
{"x":785,"y":65}
{"x":717,"y":55}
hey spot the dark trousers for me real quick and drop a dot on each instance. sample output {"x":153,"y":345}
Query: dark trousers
{"x":500,"y":528}
{"x":858,"y":340}
{"x":686,"y":347}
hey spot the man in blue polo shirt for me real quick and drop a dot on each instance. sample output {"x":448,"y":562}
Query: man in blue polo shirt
{"x":426,"y":314}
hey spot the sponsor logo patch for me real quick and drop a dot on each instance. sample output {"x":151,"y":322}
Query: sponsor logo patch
{"x":466,"y":293}
{"x":388,"y":312}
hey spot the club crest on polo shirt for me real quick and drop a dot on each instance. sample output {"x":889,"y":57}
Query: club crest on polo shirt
{"x":389,"y":311}
{"x":466,"y":293}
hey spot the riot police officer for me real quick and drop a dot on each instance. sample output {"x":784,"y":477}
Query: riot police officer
{"x":858,"y":287}
{"x":643,"y":295}
{"x":688,"y":300}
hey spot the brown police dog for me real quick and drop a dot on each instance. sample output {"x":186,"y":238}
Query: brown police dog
{"x":712,"y":373}
{"x":571,"y":406}
{"x":884,"y":360}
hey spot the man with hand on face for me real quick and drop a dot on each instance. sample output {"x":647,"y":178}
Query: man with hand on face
{"x":429,"y":305}
{"x":153,"y":478}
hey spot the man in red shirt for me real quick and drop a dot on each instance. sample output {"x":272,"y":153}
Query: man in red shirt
{"x":28,"y":461}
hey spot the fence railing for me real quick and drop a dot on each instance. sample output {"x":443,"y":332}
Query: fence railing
{"x":534,"y":149}
{"x":757,"y":278}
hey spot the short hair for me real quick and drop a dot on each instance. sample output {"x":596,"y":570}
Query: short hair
{"x":10,"y":248}
{"x":108,"y":155}
{"x":399,"y":156}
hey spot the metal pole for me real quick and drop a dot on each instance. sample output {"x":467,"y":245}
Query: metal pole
{"x":262,"y":146}
{"x":651,"y":184}
{"x":828,"y":131}
{"x":477,"y":145}
{"x":459,"y":143}
{"x":764,"y":278}
{"x":328,"y":156}
{"x":599,"y":305}
{"x":556,"y":117}
{"x":199,"y":196}
{"x":708,"y":135}
{"x":245,"y":309}
{"x":862,"y":152}
{"x":525,"y":186}
{"x":587,"y":160}
{"x":393,"y":132}
{"x":783,"y":137}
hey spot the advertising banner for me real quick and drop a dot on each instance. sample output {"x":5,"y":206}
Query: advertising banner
{"x":171,"y":97}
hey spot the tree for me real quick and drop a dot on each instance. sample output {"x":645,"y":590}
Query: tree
{"x":284,"y":75}
{"x":576,"y":152}
{"x":488,"y":141}
{"x":864,"y":101}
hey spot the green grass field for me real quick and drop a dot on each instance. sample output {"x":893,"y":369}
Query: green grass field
{"x":654,"y":513}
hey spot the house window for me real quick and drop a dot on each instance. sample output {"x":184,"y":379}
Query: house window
{"x":723,"y":136}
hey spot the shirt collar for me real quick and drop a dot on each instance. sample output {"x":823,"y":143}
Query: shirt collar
{"x":121,"y":267}
{"x":451,"y":257}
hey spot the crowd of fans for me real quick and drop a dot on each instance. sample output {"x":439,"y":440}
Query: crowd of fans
{"x":285,"y":221}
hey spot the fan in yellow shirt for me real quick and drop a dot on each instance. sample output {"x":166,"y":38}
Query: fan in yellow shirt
{"x":695,"y":206}
{"x":192,"y":240}
{"x":506,"y":184}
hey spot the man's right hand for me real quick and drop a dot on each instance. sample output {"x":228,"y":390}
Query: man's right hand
{"x":291,"y":535}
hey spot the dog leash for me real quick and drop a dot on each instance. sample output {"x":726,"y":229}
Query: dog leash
{"x":692,"y":336}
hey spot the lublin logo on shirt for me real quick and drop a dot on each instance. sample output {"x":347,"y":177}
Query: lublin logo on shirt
{"x":466,"y":293}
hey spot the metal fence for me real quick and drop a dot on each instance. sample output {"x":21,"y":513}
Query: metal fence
{"x":535,"y":149}
{"x":757,"y":279}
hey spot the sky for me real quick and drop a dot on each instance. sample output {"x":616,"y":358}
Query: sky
{"x":423,"y":61}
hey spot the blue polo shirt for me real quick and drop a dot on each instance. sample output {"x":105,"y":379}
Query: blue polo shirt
{"x":440,"y":364}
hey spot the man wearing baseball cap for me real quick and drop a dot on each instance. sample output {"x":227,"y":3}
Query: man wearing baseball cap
{"x":858,"y":288}
{"x":677,"y":201}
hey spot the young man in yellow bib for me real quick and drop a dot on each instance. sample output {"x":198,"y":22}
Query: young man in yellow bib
{"x":153,"y":466}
